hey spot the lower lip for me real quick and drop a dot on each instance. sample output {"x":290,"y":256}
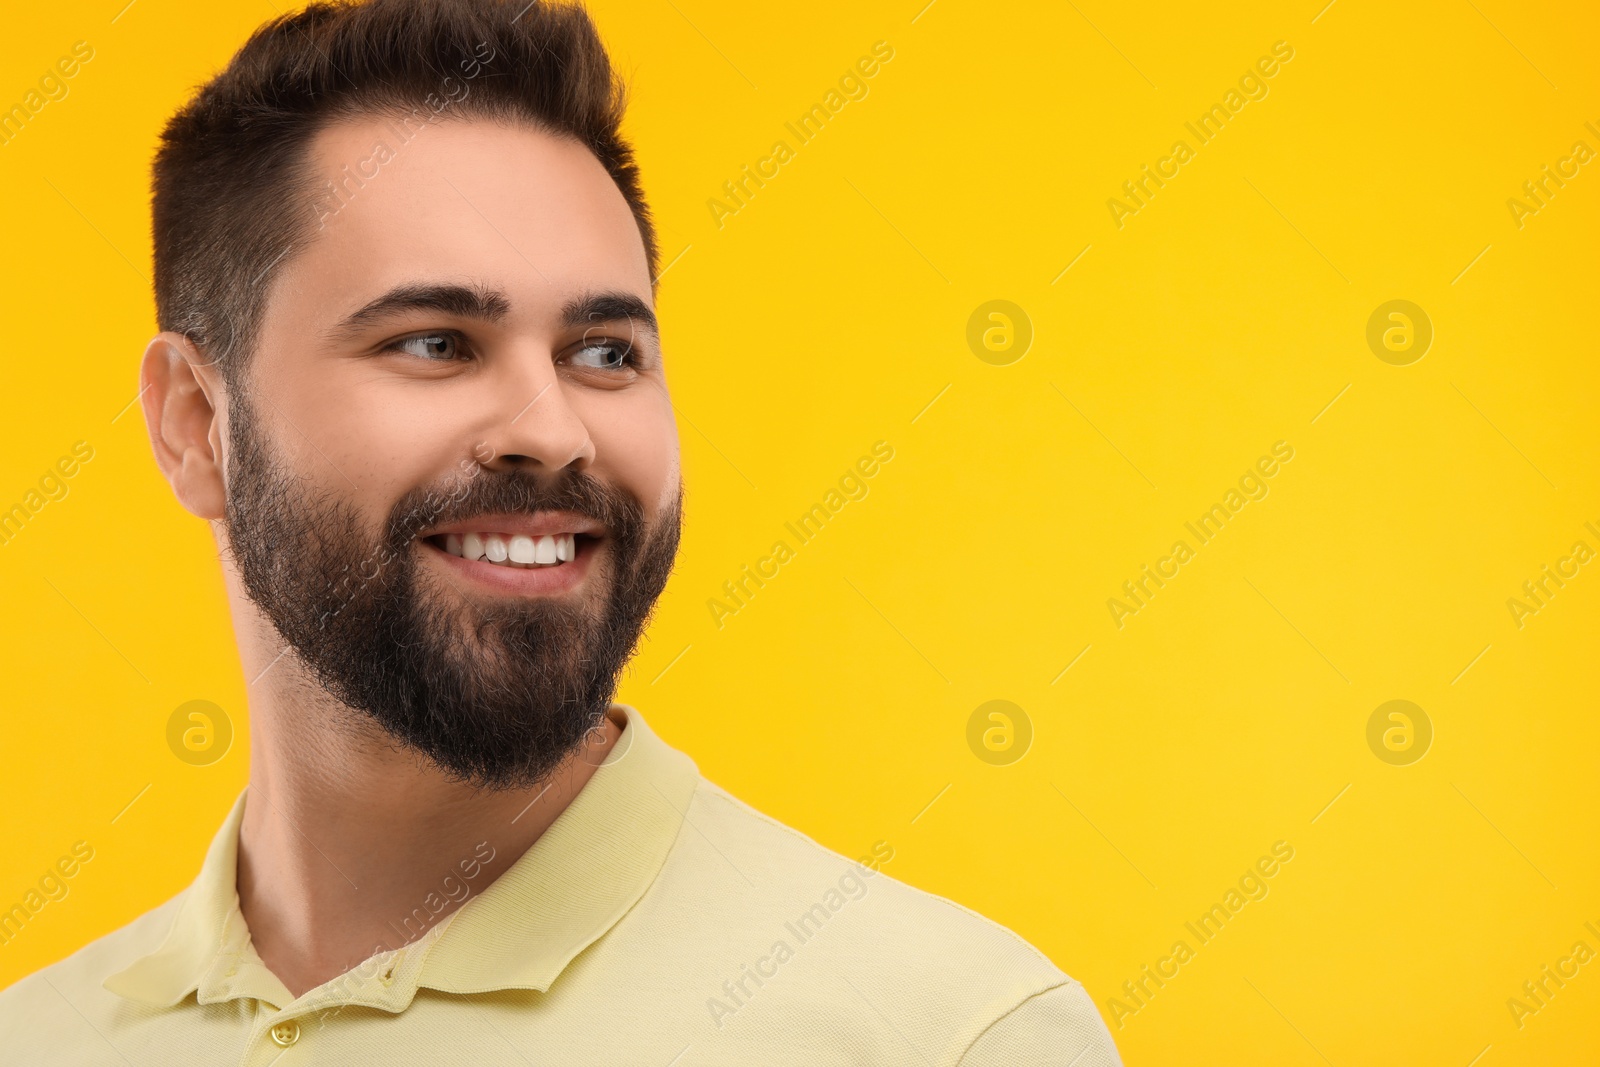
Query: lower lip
{"x":519,"y":581}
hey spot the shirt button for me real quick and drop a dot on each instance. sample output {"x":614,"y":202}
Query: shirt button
{"x":286,"y":1033}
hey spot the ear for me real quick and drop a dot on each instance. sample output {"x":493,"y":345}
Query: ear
{"x":183,"y":397}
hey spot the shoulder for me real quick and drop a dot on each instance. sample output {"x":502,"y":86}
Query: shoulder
{"x":787,"y":859}
{"x":1056,"y":1028}
{"x":903,"y":950}
{"x":48,"y":1009}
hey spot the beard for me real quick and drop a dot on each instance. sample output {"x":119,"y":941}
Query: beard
{"x":495,"y":694}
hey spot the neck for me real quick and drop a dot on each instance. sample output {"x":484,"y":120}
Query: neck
{"x":350,"y":846}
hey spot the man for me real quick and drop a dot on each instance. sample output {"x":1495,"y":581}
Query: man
{"x":410,"y":372}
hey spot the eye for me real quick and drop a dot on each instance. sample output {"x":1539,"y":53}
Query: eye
{"x":601,"y":354}
{"x":434,"y":347}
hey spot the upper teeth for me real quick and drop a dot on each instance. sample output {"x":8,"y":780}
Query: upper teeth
{"x":516,"y":550}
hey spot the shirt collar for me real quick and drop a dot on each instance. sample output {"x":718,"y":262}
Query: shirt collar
{"x":203,"y":930}
{"x":580,"y":877}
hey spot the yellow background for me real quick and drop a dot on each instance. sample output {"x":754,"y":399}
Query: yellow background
{"x":824,"y":316}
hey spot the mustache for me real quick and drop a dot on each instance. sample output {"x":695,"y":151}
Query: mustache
{"x":514,"y":492}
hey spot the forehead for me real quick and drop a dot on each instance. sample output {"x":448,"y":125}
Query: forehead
{"x":508,"y":207}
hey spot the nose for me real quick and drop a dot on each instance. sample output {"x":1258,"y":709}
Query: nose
{"x":534,"y":424}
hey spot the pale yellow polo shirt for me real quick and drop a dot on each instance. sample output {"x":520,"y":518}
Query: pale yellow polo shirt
{"x":658,"y":922}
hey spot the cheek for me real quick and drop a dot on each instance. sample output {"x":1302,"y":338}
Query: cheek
{"x":636,"y":445}
{"x":359,"y":440}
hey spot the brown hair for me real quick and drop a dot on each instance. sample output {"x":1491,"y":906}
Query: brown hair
{"x":231,"y":193}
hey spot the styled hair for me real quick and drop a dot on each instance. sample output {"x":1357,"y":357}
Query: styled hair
{"x":233,"y":195}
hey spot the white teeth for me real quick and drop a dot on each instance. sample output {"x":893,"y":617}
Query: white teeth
{"x":514,"y":550}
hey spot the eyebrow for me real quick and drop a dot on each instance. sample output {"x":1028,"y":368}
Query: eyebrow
{"x":611,"y":306}
{"x":464,"y":301}
{"x":491,"y":305}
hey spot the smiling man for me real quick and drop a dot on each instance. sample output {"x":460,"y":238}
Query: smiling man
{"x":410,"y":372}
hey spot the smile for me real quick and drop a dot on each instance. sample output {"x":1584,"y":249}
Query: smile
{"x":510,"y":550}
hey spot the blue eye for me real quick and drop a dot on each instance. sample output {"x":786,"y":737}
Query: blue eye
{"x":436,"y":347}
{"x":602,"y":355}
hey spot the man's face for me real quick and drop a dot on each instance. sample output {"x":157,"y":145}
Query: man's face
{"x":461,"y":363}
